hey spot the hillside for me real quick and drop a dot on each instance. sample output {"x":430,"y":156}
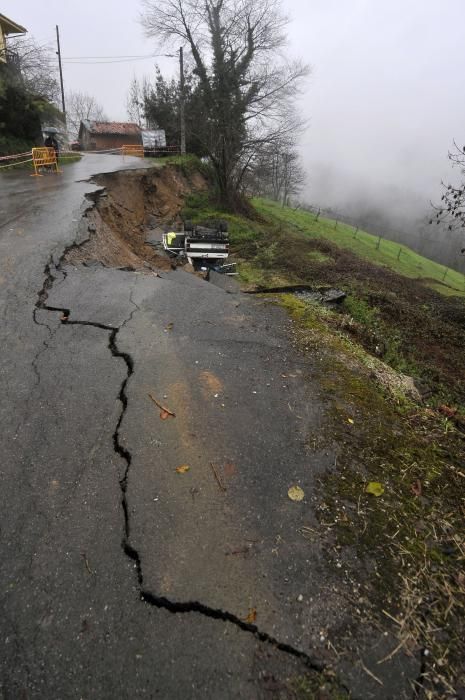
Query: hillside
{"x":391,"y":366}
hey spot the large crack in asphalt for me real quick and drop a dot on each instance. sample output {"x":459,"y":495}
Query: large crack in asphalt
{"x":148,"y":597}
{"x":51,"y":272}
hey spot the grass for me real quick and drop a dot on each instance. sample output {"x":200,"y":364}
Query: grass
{"x":409,"y":543}
{"x":406,"y":263}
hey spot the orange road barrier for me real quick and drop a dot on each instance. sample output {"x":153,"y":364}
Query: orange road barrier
{"x":133,"y":150}
{"x":44,"y":157}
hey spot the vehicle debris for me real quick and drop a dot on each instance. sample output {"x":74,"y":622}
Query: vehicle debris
{"x":200,"y":245}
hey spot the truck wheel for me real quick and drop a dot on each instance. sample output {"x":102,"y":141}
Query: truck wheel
{"x":223,"y":226}
{"x":188,"y":226}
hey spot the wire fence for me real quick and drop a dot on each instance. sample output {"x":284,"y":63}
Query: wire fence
{"x":389,"y":236}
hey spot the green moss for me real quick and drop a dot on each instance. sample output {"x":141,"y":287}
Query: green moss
{"x":318,"y":256}
{"x":315,"y":687}
{"x":360,"y":310}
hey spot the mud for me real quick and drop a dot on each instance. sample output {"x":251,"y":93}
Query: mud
{"x":128,"y":206}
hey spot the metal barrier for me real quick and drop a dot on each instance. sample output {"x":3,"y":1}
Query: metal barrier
{"x":133,"y":150}
{"x":44,"y":157}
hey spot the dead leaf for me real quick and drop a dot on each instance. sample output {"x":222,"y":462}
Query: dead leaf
{"x":447,"y":411}
{"x":229,"y":469}
{"x":295,"y":493}
{"x":183,"y":469}
{"x":164,"y":412}
{"x":252,"y":616}
{"x":169,"y":326}
{"x":375,"y":488}
{"x":416,"y":487}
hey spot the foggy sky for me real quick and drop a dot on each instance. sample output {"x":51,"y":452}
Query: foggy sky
{"x":384,"y":99}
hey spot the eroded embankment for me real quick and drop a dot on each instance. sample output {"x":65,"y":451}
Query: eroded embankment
{"x":130,"y":204}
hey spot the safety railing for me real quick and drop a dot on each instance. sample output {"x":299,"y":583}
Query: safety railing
{"x":133,"y":150}
{"x":45,"y":159}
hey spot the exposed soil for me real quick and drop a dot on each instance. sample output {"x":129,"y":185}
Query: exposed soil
{"x":132,"y":203}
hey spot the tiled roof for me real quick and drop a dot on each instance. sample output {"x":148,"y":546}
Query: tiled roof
{"x":120,"y":128}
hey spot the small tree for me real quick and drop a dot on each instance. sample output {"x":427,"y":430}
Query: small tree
{"x":451,"y":211}
{"x":246,"y":89}
{"x":276,"y":172}
{"x":80,"y":106}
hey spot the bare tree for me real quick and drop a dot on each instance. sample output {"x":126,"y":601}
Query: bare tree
{"x":80,"y":106}
{"x":451,"y":211}
{"x":247,"y":87}
{"x":136,"y":103}
{"x":38,"y":67}
{"x":276,"y":171}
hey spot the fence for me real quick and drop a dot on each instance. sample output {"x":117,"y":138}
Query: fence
{"x":132,"y":150}
{"x":388,"y":237}
{"x":41,"y":157}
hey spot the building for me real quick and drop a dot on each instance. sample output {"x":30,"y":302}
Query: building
{"x":8,"y":28}
{"x":101,"y":136}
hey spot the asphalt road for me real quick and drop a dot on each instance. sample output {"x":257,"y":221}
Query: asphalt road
{"x":122,"y":576}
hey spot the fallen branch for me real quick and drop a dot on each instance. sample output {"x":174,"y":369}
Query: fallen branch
{"x":218,"y":480}
{"x":165,"y":412}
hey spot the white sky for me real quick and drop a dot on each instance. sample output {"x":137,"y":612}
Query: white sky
{"x":385,"y":98}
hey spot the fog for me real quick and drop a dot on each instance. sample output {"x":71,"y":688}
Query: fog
{"x":384,"y":100}
{"x":385,"y":103}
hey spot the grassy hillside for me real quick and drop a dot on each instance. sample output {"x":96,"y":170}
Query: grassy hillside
{"x":393,"y":255}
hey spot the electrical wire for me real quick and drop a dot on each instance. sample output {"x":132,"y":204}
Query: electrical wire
{"x":88,"y":60}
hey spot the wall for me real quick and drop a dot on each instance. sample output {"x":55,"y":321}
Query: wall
{"x":101,"y":142}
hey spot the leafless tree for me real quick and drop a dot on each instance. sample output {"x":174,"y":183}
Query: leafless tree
{"x":247,"y":86}
{"x":451,"y":211}
{"x":80,"y":106}
{"x":38,"y":67}
{"x":276,"y":172}
{"x":138,"y":95}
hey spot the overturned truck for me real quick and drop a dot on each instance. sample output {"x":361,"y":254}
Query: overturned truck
{"x":202,"y":246}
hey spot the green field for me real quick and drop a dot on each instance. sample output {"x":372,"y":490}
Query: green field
{"x":406,"y":262}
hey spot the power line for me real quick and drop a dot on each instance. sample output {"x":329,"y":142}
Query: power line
{"x":87,"y":60}
{"x":147,"y":55}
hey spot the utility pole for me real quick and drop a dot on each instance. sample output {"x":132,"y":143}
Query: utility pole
{"x":61,"y":74}
{"x":183,"y":118}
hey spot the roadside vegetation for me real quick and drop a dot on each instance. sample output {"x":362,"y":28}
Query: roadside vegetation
{"x":391,"y":366}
